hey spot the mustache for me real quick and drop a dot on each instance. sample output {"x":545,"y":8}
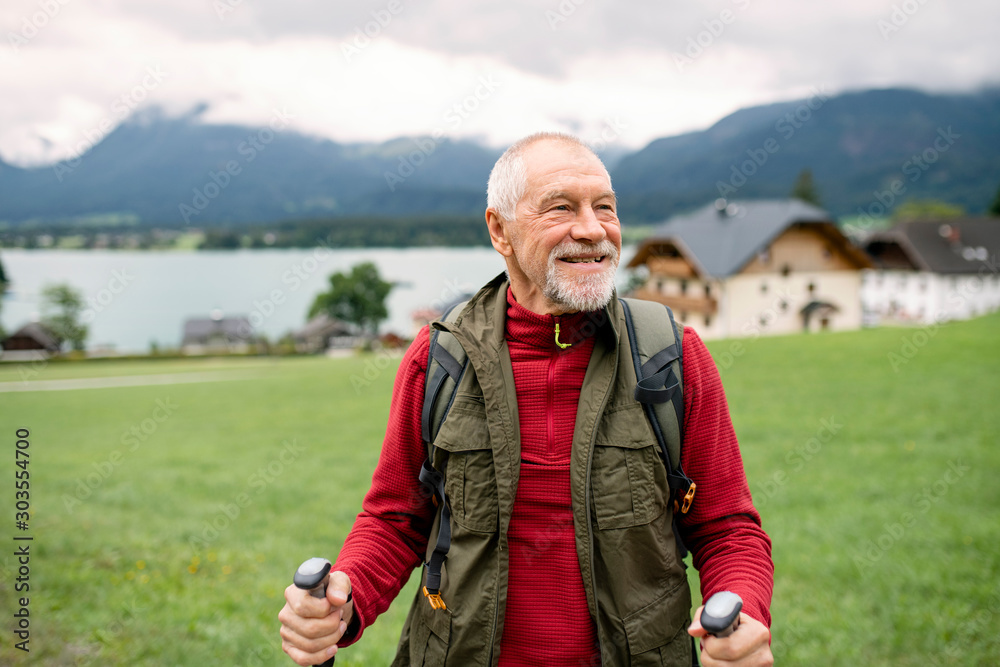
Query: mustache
{"x":574,"y":248}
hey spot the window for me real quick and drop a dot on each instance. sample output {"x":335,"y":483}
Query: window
{"x":708,"y":291}
{"x":812,"y":288}
{"x":684,"y":287}
{"x":763,"y":288}
{"x":783,"y":305}
{"x":708,"y":320}
{"x":659,"y":286}
{"x":786,"y":270}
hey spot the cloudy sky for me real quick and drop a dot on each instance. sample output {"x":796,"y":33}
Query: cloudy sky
{"x":631,"y":71}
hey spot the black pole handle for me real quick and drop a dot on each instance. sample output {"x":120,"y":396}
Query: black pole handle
{"x":313,"y":576}
{"x":721,"y":615}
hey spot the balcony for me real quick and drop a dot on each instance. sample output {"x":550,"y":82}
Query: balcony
{"x":674,"y":267}
{"x":680,"y":304}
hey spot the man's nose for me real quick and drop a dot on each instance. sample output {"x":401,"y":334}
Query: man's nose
{"x":587,"y":227}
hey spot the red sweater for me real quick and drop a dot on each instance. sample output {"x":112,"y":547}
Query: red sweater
{"x":389,"y":538}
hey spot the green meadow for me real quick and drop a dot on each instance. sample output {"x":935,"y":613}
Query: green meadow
{"x":168,"y":518}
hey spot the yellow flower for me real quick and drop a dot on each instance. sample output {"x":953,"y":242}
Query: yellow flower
{"x":130,"y":575}
{"x":226,"y":569}
{"x":144,"y":579}
{"x":192,"y":568}
{"x":140,"y":565}
{"x":211,"y":556}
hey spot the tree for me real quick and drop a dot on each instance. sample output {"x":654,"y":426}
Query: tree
{"x":357,"y":297}
{"x":61,"y":308}
{"x":4,"y":283}
{"x":994,"y":209}
{"x":926,"y":209}
{"x":805,"y":188}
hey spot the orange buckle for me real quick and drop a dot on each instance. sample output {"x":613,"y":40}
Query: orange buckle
{"x":688,"y":498}
{"x":434,"y":599}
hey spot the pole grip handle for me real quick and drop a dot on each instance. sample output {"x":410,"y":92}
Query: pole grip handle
{"x":721,"y":615}
{"x":313,"y":576}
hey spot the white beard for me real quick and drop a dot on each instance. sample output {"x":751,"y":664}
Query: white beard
{"x":581,"y":293}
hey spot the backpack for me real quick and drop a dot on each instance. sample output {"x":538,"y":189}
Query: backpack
{"x":656,"y":345}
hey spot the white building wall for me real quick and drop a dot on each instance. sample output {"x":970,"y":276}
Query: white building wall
{"x":921,"y":297}
{"x":707,"y":325}
{"x":771,"y":304}
{"x":904,"y":296}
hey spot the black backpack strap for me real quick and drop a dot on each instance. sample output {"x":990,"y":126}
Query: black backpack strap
{"x":432,"y":479}
{"x":446,"y":363}
{"x":446,"y":367}
{"x":657,"y":353}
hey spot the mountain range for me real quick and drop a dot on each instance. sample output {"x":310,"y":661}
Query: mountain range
{"x":159,"y":170}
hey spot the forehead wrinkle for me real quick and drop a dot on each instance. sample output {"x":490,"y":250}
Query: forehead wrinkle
{"x":562,"y":194}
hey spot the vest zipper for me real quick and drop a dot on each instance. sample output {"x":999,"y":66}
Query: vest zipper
{"x":586,"y":500}
{"x":496,"y":611}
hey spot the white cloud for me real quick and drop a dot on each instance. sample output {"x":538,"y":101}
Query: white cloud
{"x":605,"y":64}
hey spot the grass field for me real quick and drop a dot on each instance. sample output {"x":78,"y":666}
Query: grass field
{"x":167,"y":519}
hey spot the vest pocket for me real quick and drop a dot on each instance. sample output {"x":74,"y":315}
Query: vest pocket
{"x":629,"y":479}
{"x":657,"y":634}
{"x":429,"y":638}
{"x":470,"y":479}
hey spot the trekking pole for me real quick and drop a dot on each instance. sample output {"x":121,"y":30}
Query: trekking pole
{"x":721,"y":615}
{"x":312,"y":576}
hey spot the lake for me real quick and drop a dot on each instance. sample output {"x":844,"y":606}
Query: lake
{"x":137,"y":297}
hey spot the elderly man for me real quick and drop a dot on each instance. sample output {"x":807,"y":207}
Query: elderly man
{"x":552,"y":560}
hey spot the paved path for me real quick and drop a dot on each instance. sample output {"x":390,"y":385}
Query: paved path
{"x":128,"y":381}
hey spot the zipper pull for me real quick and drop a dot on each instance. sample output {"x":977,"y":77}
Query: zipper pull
{"x":562,"y":346}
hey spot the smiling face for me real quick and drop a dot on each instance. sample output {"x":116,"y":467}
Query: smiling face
{"x":562,"y":248}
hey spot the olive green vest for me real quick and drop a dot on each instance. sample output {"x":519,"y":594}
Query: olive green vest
{"x":636,"y":585}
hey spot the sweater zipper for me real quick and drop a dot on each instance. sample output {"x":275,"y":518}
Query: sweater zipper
{"x":550,"y":402}
{"x":586,"y":501}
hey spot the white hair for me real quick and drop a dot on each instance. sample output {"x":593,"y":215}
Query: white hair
{"x":509,"y":178}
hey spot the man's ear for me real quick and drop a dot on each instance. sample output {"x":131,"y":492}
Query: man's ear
{"x":498,"y":233}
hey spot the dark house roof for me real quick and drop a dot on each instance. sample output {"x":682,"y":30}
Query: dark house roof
{"x":954,"y":245}
{"x":721,"y":240}
{"x":234,"y":329}
{"x":32,"y":336}
{"x":324,"y":325}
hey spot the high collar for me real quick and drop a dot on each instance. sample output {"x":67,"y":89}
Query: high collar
{"x":481,"y":325}
{"x":530,"y":328}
